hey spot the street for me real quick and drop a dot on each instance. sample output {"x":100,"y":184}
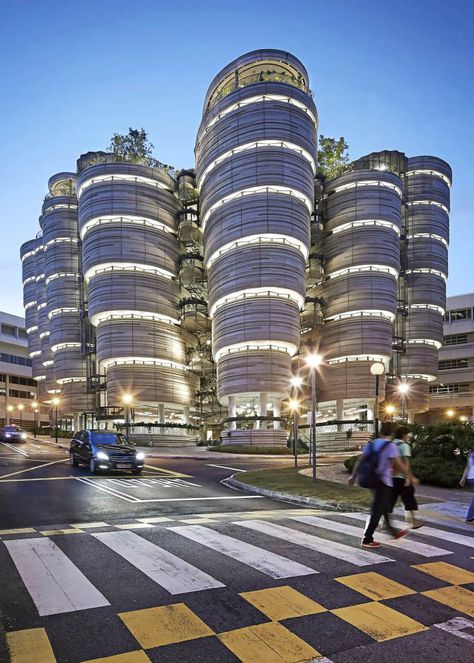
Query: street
{"x":173,"y":566}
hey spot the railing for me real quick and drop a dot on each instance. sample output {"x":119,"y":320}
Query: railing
{"x":262,"y":77}
{"x":94,"y":158}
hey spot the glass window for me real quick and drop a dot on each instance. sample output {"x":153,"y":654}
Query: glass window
{"x":108,"y":438}
{"x":449,"y":364}
{"x":8,"y":330}
{"x":440,"y":389}
{"x":461,"y":314}
{"x":455,"y":339}
{"x":14,"y":359}
{"x":22,"y":333}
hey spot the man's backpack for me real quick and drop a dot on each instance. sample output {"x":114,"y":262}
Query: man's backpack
{"x":367,"y":476}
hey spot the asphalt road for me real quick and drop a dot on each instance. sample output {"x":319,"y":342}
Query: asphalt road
{"x":173,"y":566}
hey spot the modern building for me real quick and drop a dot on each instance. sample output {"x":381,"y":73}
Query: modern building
{"x":185,"y":301}
{"x":18,"y":398}
{"x":452,"y":394}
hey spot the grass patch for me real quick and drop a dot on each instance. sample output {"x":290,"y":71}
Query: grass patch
{"x":253,"y":449}
{"x":288,"y":480}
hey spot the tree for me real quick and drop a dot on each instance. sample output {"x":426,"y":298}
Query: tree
{"x":134,"y":146}
{"x":333,"y":156}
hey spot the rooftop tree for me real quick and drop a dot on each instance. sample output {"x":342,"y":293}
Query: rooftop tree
{"x":333,"y":156}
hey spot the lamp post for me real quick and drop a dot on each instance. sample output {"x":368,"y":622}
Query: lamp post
{"x":313,"y":361}
{"x":450,"y":413}
{"x":403,"y":389}
{"x":34,"y":405}
{"x":127,"y":400}
{"x":296,"y":382}
{"x":10,"y":410}
{"x":56,"y":402}
{"x":377,"y":369}
{"x":390,"y":409}
{"x":21,"y":407}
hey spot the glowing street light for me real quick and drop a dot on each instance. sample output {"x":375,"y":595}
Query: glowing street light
{"x":450,"y":413}
{"x":463,"y":418}
{"x":377,"y":369}
{"x":403,"y":388}
{"x":10,"y":410}
{"x":390,"y":410}
{"x":127,"y":400}
{"x":313,"y":361}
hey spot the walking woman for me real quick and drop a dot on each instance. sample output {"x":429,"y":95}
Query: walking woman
{"x":404,"y":484}
{"x":468,"y":477}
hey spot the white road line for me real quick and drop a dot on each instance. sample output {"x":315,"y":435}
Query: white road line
{"x":402,"y":544}
{"x":18,"y":451}
{"x":331,"y":548}
{"x":201,"y":499}
{"x":271,"y":564}
{"x":36,"y":467}
{"x":110,"y":491}
{"x":164,"y":568}
{"x":450,"y":537}
{"x":224,"y":467}
{"x":55,"y":584}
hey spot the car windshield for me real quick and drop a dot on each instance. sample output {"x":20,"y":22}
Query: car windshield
{"x":12,"y":429}
{"x":108,"y":438}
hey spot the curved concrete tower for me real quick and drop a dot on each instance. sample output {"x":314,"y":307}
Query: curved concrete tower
{"x":255,"y":160}
{"x":128,"y":227}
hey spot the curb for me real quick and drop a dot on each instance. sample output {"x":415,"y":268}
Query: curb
{"x":233,"y":483}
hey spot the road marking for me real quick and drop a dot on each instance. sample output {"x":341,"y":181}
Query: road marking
{"x":379,"y":621}
{"x":458,"y":598}
{"x":21,"y":530}
{"x":406,"y":544}
{"x":160,"y":519}
{"x":110,"y":491}
{"x":450,"y":537}
{"x":280,"y":603}
{"x":447,"y":572}
{"x":89,"y":525}
{"x":267,"y":642}
{"x":30,"y":646}
{"x":18,"y":451}
{"x":55,"y":584}
{"x":224,"y":467}
{"x":128,"y":657}
{"x":271,"y":564}
{"x":164,"y":568}
{"x":331,"y":548}
{"x":56,"y":532}
{"x":178,"y":475}
{"x":456,"y":626}
{"x":198,"y":520}
{"x":36,"y":467}
{"x":165,"y":625}
{"x":375,"y":586}
{"x":134,"y":526}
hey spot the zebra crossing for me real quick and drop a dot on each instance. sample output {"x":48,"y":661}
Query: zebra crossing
{"x":56,"y":584}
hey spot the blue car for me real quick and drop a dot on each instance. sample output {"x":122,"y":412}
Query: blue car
{"x":12,"y":433}
{"x":104,"y":451}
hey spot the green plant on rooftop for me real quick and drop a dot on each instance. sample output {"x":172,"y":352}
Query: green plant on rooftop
{"x":333,"y":156}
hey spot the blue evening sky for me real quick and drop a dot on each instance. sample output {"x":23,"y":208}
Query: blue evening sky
{"x":386,"y":74}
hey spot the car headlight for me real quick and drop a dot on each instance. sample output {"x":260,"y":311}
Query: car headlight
{"x":139,"y":455}
{"x":7,"y":435}
{"x":23,"y":436}
{"x":102,"y":456}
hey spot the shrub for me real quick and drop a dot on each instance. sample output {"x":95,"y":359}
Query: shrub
{"x":350,"y":462}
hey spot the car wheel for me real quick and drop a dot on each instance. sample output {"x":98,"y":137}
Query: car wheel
{"x":73,"y":460}
{"x":92,"y":466}
{"x":136,"y":471}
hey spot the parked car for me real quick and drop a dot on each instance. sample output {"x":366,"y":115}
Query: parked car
{"x":105,"y":450}
{"x":12,"y":433}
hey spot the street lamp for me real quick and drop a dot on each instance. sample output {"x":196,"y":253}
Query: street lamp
{"x":403,"y":389}
{"x":377,"y":369}
{"x":56,"y":402}
{"x":10,"y":410}
{"x":127,"y":400}
{"x":450,"y":413}
{"x":294,"y":406}
{"x":390,"y":409}
{"x":34,"y":405}
{"x":313,"y":361}
{"x":21,"y":408}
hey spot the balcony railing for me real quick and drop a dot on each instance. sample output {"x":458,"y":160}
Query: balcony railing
{"x":262,"y":77}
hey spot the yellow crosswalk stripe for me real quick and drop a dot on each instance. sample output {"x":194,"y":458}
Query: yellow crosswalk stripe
{"x":269,"y":643}
{"x":127,"y":657}
{"x":20,"y":530}
{"x":30,"y":646}
{"x":279,"y":603}
{"x":375,"y":586}
{"x":56,"y":532}
{"x":379,"y":621}
{"x":458,"y":598}
{"x":164,"y":625}
{"x":455,"y":575}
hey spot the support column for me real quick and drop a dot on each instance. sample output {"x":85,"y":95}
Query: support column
{"x":186,"y":414}
{"x":231,"y":412}
{"x":76,"y":421}
{"x":276,"y":413}
{"x":161,"y":413}
{"x":340,"y":413}
{"x":262,"y":409}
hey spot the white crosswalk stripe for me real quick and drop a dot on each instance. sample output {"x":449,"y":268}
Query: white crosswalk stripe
{"x":267,"y":562}
{"x":55,"y":584}
{"x":405,"y":543}
{"x":450,"y":537}
{"x":333,"y":549}
{"x":164,"y":568}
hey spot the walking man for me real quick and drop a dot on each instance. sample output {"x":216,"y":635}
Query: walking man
{"x":388,"y":461}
